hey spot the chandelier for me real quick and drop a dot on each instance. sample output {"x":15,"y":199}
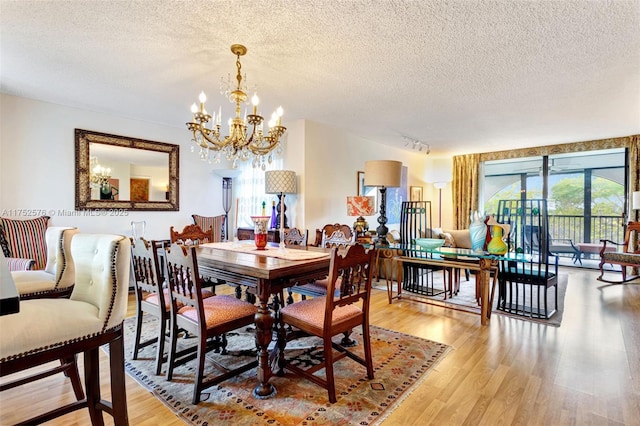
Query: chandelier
{"x":99,"y":176}
{"x":240,"y":144}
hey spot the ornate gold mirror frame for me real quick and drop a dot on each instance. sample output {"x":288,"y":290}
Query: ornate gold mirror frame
{"x":83,"y":160}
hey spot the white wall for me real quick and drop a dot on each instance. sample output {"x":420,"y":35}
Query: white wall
{"x":332,"y":160}
{"x":37,"y":168}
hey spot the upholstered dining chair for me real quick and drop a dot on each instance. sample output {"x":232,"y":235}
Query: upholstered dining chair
{"x":205,"y":318}
{"x":46,"y":329}
{"x":58,"y":276}
{"x":213,"y":223}
{"x":350,"y":281}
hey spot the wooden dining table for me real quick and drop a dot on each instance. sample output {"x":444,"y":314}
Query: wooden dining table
{"x":268,"y":272}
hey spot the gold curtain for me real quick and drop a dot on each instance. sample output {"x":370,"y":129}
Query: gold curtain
{"x":466,"y":169}
{"x":465,"y":188}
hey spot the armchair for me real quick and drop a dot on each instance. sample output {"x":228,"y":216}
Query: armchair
{"x":47,"y":330}
{"x":628,"y":257}
{"x":58,"y":276}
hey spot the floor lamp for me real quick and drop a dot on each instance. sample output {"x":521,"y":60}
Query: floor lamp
{"x":280,"y":182}
{"x":382,"y":174}
{"x":440,"y":186}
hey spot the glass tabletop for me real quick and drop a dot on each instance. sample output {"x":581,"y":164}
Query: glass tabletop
{"x":449,"y":253}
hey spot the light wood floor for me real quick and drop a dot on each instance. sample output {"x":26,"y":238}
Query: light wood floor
{"x":510,"y":372}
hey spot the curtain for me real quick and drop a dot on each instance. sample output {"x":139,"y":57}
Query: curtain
{"x":465,"y":188}
{"x":250,"y":192}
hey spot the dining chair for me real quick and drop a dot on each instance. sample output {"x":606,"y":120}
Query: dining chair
{"x":295,"y":237}
{"x":528,"y":220}
{"x":350,"y":275}
{"x":415,"y":221}
{"x":318,"y":288}
{"x":151,"y":298}
{"x":213,"y":223}
{"x":46,"y":329}
{"x":206,"y":318}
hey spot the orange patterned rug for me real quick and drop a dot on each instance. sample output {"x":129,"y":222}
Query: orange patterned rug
{"x":401,"y":363}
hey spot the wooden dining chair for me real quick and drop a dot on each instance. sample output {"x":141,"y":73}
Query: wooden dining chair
{"x":318,"y":288}
{"x":206,"y":318}
{"x":151,"y":298}
{"x":350,"y":279}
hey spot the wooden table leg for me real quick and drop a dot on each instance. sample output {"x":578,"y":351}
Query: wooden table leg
{"x":264,"y":333}
{"x":484,"y":276}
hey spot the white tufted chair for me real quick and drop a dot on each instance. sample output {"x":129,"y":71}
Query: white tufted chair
{"x":57,"y":278}
{"x":49,"y":329}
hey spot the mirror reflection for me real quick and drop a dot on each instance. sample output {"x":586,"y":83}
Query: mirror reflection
{"x":116,"y":172}
{"x":119,"y":173}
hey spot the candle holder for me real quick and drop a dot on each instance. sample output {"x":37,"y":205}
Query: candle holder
{"x":260,"y":228}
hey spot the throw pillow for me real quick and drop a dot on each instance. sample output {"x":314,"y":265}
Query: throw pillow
{"x":26,"y":238}
{"x":448,"y":239}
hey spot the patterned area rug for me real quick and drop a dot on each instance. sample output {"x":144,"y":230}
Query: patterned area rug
{"x":401,"y":362}
{"x":465,"y":300}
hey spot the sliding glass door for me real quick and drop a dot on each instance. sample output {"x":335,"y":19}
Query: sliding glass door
{"x":585,"y":191}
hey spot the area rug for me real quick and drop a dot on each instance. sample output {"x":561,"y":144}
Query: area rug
{"x":465,"y":300}
{"x":401,"y":363}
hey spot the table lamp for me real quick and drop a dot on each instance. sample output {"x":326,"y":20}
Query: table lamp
{"x":280,"y":182}
{"x":382,"y":174}
{"x":635,"y":202}
{"x":360,"y":206}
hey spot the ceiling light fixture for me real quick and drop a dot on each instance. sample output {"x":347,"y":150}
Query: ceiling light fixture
{"x":239,"y":145}
{"x":417,"y":145}
{"x":99,"y":176}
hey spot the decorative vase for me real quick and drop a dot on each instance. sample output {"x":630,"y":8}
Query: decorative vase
{"x":260,"y":231}
{"x":497,"y":244}
{"x":477,"y":232}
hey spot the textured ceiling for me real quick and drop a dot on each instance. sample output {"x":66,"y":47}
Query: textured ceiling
{"x":462,"y":76}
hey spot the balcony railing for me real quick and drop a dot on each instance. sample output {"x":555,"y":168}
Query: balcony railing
{"x":581,"y":229}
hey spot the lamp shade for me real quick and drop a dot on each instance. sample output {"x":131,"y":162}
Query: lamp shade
{"x":387,"y":173}
{"x":280,"y":181}
{"x":635,"y":200}
{"x":360,"y":206}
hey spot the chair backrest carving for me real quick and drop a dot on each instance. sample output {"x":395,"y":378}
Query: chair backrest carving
{"x":191,"y":234}
{"x":295,"y":237}
{"x":337,"y":239}
{"x":329,"y":229}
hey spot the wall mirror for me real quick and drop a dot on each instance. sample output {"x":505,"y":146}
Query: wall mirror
{"x":118,"y":172}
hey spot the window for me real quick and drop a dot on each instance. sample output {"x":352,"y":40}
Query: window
{"x":585,"y":191}
{"x":250,"y":192}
